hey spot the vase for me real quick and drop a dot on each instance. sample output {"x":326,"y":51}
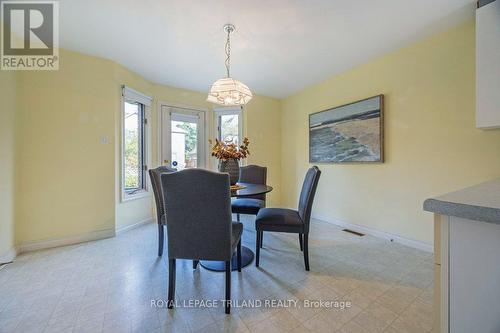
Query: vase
{"x":232,"y":167}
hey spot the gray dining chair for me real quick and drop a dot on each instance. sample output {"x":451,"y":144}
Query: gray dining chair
{"x":154,"y":175}
{"x":250,"y":205}
{"x":289,"y":220}
{"x":200,"y":227}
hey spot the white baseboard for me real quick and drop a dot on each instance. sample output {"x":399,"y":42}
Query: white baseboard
{"x":8,"y":256}
{"x":125,"y":228}
{"x":55,"y":242}
{"x":378,"y":233}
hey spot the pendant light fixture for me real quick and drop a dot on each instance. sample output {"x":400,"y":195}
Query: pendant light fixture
{"x":228,"y":91}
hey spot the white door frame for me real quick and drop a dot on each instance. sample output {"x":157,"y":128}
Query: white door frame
{"x":164,"y":130}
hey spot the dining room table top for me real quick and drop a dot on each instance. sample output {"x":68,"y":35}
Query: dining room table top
{"x":250,"y":190}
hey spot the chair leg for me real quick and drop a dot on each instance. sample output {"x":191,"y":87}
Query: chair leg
{"x":195,"y":263}
{"x":227,"y":303}
{"x":306,"y":251}
{"x":161,"y":238}
{"x":257,"y":248}
{"x":300,"y":242}
{"x":238,"y":255}
{"x":238,"y":217}
{"x":171,"y":283}
{"x":261,"y":239}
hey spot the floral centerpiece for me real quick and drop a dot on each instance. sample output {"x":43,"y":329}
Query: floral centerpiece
{"x":229,"y":154}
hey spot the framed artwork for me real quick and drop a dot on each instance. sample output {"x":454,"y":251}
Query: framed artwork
{"x":351,"y":133}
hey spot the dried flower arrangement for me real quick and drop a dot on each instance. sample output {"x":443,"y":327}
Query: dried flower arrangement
{"x":227,"y":150}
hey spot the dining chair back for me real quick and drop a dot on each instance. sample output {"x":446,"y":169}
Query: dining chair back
{"x":290,"y":220}
{"x":200,"y":227}
{"x":154,"y":175}
{"x":250,"y":205}
{"x":254,"y":174}
{"x":198,"y":210}
{"x":307,"y":194}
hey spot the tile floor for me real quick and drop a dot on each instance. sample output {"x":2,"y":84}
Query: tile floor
{"x":108,"y":285}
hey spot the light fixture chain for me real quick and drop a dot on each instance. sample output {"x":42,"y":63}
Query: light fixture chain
{"x":228,"y":52}
{"x":228,"y":91}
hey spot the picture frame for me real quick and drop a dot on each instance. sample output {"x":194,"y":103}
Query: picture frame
{"x":349,"y":133}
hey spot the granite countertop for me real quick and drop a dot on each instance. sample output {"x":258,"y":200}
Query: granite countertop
{"x":480,"y":202}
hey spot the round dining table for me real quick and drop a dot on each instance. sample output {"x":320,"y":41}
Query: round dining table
{"x":247,"y":255}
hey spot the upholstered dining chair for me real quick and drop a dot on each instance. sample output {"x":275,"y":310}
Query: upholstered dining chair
{"x":200,"y":227}
{"x":288,"y":220}
{"x":251,"y":205}
{"x":154,"y":175}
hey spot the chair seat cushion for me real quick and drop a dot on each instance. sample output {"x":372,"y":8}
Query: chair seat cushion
{"x":237,"y":231}
{"x":279,"y":219}
{"x":247,"y":206}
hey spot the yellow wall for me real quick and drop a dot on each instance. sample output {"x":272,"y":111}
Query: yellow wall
{"x":431,"y":143}
{"x":65,"y":176}
{"x":263,"y":128}
{"x":67,"y":180}
{"x":7,"y":160}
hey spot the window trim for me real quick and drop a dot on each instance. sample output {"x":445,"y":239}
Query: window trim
{"x":237,"y":110}
{"x":228,"y":111}
{"x":145,"y":101}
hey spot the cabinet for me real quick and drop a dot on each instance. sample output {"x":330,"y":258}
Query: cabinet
{"x":467,"y":259}
{"x":488,"y":64}
{"x":467,"y":271}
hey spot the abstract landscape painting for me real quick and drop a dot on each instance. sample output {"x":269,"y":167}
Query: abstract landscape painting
{"x":348,"y":133}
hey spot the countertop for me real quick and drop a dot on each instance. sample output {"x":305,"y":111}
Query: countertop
{"x":479,"y":202}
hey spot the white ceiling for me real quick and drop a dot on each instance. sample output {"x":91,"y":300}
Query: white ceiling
{"x":279,"y":47}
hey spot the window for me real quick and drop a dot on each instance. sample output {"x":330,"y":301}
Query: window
{"x":229,"y":125}
{"x":134,"y":154}
{"x":229,"y":128}
{"x":133,"y":145}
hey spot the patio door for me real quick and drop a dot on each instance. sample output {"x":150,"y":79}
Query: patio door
{"x":182,"y":140}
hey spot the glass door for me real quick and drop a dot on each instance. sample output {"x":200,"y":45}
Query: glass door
{"x":183,"y":138}
{"x":184,"y":141}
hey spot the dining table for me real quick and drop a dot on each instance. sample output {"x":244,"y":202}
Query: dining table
{"x":243,"y":190}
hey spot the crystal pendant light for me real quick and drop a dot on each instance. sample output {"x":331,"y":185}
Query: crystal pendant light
{"x":228,"y":91}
